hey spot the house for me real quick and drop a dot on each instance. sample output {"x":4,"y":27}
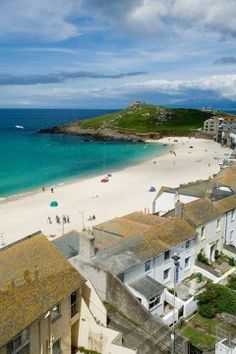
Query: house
{"x":138,"y":249}
{"x":220,"y":186}
{"x":47,"y":306}
{"x":40,"y":298}
{"x":219,"y":128}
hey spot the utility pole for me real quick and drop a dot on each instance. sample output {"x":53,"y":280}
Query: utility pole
{"x":176,"y":259}
{"x":83,"y":225}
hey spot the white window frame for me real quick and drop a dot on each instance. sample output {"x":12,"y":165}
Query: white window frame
{"x":218,"y":224}
{"x":147,"y":265}
{"x":165,"y":280}
{"x":203,"y":233}
{"x":24,"y":337}
{"x":155,"y":301}
{"x":188,"y":266}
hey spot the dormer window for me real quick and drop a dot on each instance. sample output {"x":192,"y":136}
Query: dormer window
{"x":166,"y":255}
{"x":147,"y":266}
{"x":203,"y":233}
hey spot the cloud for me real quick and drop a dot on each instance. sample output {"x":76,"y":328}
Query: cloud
{"x":226,"y":60}
{"x":63,"y":19}
{"x":34,"y":79}
{"x":223,"y":86}
{"x":157,"y":16}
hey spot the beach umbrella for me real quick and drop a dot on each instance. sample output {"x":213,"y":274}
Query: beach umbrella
{"x":152,"y":189}
{"x":54,"y":204}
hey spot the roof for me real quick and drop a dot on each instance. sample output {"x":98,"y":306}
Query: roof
{"x":34,"y":277}
{"x":122,"y":228}
{"x":147,"y":286}
{"x":129,"y":252}
{"x":68,"y":244}
{"x":200,"y":211}
{"x":225,"y":178}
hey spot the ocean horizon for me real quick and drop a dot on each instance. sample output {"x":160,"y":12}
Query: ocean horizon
{"x":30,"y":160}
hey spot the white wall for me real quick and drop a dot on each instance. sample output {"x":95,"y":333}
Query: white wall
{"x":159,"y":264}
{"x":221,"y":348}
{"x":211,"y":236}
{"x":166,"y":201}
{"x":230,"y":239}
{"x":96,"y":337}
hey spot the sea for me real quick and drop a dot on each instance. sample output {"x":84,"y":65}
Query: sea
{"x":29,"y":160}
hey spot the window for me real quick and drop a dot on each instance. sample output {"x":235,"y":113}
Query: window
{"x":187,"y":263}
{"x":73,"y":301}
{"x":56,"y":349}
{"x":147,"y":266}
{"x":20,"y":344}
{"x":187,"y":244}
{"x":218,"y":225}
{"x":203,"y":233}
{"x":154,"y":301}
{"x":166,"y":274}
{"x":167,"y":255}
{"x":56,"y":312}
{"x":232,"y":215}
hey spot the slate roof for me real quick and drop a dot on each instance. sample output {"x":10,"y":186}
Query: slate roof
{"x":132,"y":251}
{"x":34,"y":277}
{"x":68,"y":244}
{"x":147,"y":286}
{"x":202,"y":210}
{"x":226,"y":177}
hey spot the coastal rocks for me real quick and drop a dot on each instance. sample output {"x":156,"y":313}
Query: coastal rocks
{"x":89,"y":134}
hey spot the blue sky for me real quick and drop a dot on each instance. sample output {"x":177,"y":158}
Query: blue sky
{"x":108,"y":53}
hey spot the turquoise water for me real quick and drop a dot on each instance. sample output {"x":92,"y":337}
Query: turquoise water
{"x":30,"y":160}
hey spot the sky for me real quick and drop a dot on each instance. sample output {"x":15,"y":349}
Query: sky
{"x":109,"y":53}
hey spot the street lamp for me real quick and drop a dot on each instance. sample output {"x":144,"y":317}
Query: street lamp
{"x":176,"y":259}
{"x":83,"y":225}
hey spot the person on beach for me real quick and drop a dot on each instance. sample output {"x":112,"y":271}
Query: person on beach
{"x":94,"y":217}
{"x":43,"y":188}
{"x":52,"y":190}
{"x":68,"y":219}
{"x":49,"y":220}
{"x":64,"y":219}
{"x":58,"y":220}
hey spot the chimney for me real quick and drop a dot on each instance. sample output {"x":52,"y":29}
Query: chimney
{"x":209,"y":193}
{"x":86,"y":244}
{"x":179,"y":208}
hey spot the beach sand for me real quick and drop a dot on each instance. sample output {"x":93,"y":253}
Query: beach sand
{"x":126,"y":191}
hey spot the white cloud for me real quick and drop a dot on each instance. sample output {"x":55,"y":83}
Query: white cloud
{"x":223,"y":86}
{"x":58,"y":19}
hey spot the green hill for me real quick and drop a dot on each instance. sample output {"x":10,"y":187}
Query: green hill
{"x":139,"y":120}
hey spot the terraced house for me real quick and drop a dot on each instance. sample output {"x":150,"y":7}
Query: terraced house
{"x":40,"y":294}
{"x":47,"y":307}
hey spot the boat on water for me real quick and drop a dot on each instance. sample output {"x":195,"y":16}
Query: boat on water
{"x":19,"y":127}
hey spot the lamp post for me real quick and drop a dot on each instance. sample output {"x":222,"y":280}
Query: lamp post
{"x":176,"y":259}
{"x":83,"y":225}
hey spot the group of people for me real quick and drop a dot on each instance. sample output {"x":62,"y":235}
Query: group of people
{"x":65,"y":219}
{"x":92,"y":218}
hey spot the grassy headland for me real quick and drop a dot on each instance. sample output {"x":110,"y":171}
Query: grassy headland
{"x":141,"y":121}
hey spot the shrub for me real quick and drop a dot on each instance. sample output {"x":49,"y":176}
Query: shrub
{"x":232,"y":282}
{"x":199,"y":277}
{"x":216,"y":299}
{"x":231,"y":261}
{"x":207,"y":311}
{"x":202,"y":258}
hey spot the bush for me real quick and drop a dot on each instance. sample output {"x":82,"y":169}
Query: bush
{"x":207,"y":311}
{"x":232,"y":282}
{"x":199,"y":277}
{"x":216,"y":299}
{"x":231,"y":261}
{"x":202,"y":258}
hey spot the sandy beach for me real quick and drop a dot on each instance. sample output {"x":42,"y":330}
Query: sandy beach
{"x":126,"y":191}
